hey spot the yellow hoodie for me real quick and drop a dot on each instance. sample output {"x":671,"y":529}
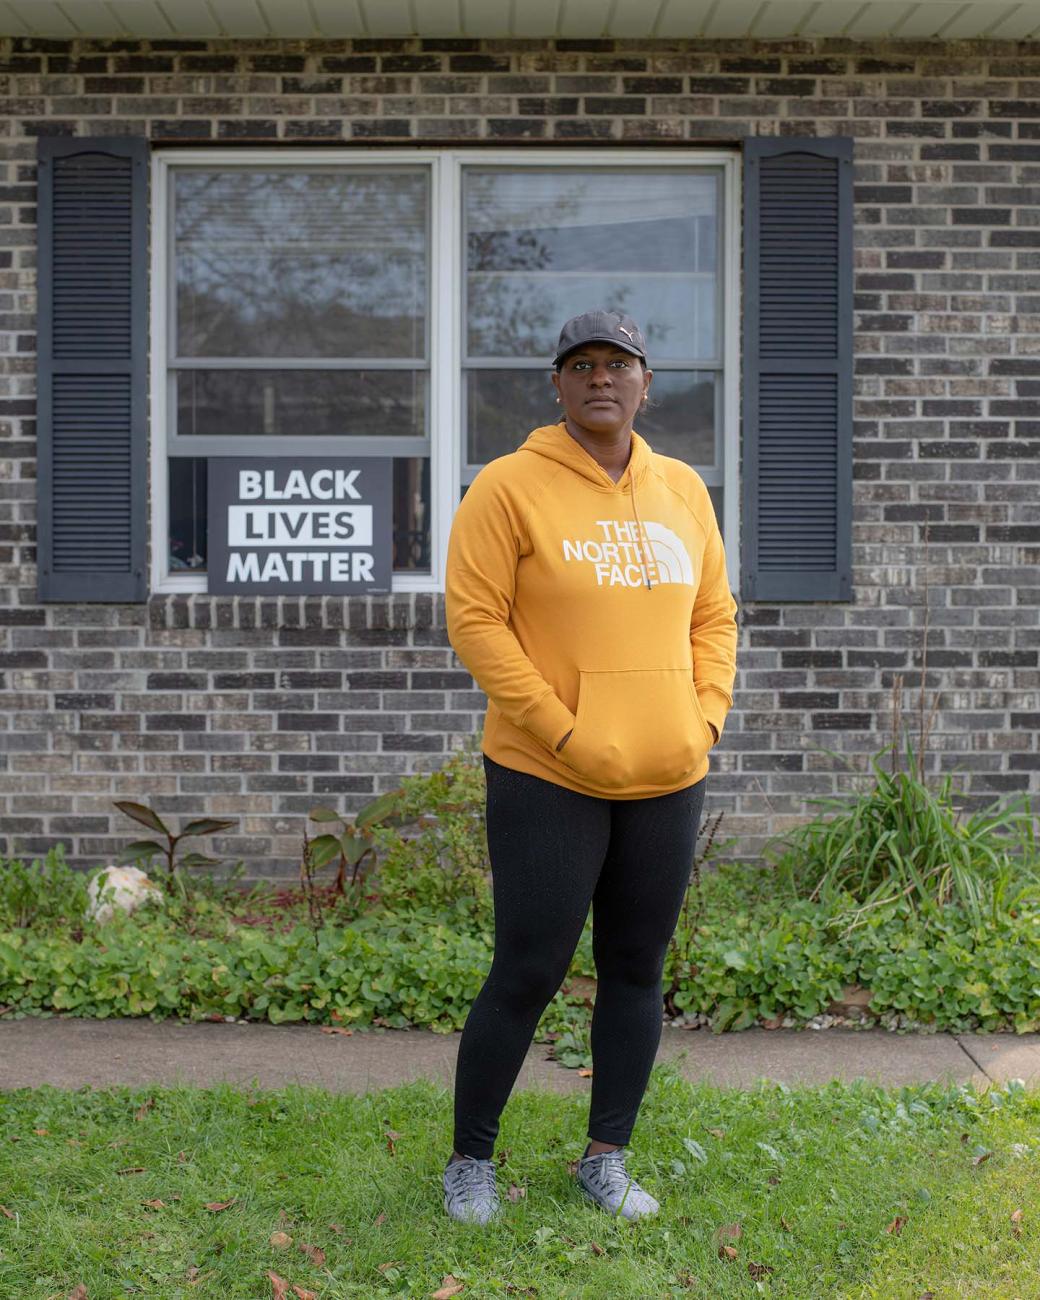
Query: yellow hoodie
{"x":573,"y":609}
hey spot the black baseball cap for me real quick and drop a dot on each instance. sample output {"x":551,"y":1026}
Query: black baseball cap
{"x":601,"y":327}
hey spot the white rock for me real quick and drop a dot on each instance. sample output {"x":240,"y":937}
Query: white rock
{"x":124,"y":887}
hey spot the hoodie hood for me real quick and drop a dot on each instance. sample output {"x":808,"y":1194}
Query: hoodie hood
{"x":555,"y":443}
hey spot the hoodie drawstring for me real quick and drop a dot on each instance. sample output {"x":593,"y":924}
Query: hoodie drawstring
{"x":639,"y":525}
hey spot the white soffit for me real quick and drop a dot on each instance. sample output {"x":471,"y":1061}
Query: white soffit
{"x":626,"y":19}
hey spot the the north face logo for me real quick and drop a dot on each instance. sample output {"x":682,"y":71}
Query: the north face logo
{"x":618,"y":559}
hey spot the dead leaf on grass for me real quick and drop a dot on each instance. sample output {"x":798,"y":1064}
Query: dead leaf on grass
{"x":450,"y":1285}
{"x":78,"y":1292}
{"x":279,"y":1240}
{"x":758,"y":1271}
{"x":727,"y":1252}
{"x":301,"y":1294}
{"x":132,"y":1169}
{"x":983,"y":1155}
{"x":572,"y":1166}
{"x":145,"y":1108}
{"x":719,"y":1133}
{"x":1016,"y":1222}
{"x":392,"y":1136}
{"x":516,"y":1193}
{"x":390,"y":1263}
{"x":896,"y":1226}
{"x":44,"y":1132}
{"x":596,"y":1248}
{"x":219,"y":1205}
{"x":279,"y":1286}
{"x":728,"y":1232}
{"x":686,"y":1279}
{"x":380,"y":1218}
{"x":314,"y":1253}
{"x":155,"y":1204}
{"x":785,"y":1225}
{"x":584,"y":1073}
{"x":9,"y":1214}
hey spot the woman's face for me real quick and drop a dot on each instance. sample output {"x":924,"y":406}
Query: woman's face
{"x":601,"y":387}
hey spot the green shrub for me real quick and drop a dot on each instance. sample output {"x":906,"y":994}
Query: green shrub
{"x":43,"y":895}
{"x":437,"y":855}
{"x":902,"y":840}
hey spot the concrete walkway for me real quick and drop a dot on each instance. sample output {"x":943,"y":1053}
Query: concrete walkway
{"x":70,"y":1053}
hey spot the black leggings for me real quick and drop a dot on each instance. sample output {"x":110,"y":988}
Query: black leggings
{"x":553,"y":851}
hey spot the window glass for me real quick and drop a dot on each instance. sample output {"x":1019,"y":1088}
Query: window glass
{"x":382,"y":403}
{"x":287,"y":263}
{"x":542,"y":246}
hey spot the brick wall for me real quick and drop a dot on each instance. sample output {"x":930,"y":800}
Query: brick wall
{"x":258,"y":709}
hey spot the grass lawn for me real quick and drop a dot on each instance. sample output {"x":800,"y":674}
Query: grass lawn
{"x":846,"y":1191}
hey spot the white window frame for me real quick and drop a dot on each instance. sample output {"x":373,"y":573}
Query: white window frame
{"x":446,"y":284}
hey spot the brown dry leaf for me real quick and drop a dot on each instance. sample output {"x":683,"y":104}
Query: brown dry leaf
{"x":132,"y":1169}
{"x":572,"y":1166}
{"x":182,"y":1156}
{"x":219,"y":1205}
{"x":450,"y":1285}
{"x":335,"y":1227}
{"x":391,"y":1136}
{"x":73,"y":1142}
{"x":758,"y":1271}
{"x":896,"y":1226}
{"x":927,"y":1295}
{"x":279,"y":1286}
{"x":78,"y":1292}
{"x":145,"y":1108}
{"x":279,"y":1240}
{"x":773,"y":1180}
{"x":728,"y":1232}
{"x":719,"y":1133}
{"x":336,"y":1029}
{"x":6,"y":1212}
{"x":964,"y":1138}
{"x":686,"y":1279}
{"x":43,"y":1132}
{"x":301,"y":1294}
{"x":596,"y":1248}
{"x":1016,"y":1221}
{"x":516,"y":1193}
{"x":380,"y":1218}
{"x":314,"y":1253}
{"x":155,"y":1204}
{"x":584,"y":1073}
{"x":773,"y":1023}
{"x":785,"y":1225}
{"x":390,"y":1263}
{"x":977,"y":1160}
{"x":727,"y":1252}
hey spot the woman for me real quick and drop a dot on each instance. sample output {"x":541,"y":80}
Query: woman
{"x":604,"y":636}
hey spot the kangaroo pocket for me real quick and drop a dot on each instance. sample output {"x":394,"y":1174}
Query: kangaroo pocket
{"x":637,"y":727}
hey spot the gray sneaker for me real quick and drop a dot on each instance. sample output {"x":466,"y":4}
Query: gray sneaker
{"x":470,"y":1194}
{"x":604,"y":1179}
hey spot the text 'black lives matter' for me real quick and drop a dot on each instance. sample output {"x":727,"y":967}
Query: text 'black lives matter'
{"x":300,"y":525}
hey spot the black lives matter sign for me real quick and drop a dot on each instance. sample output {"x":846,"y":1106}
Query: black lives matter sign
{"x":304,"y":526}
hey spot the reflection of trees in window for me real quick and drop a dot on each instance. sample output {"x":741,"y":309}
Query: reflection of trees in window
{"x":301,"y":264}
{"x":605,"y":263}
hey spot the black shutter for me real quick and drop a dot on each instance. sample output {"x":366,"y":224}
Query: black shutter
{"x":796,"y":460}
{"x":92,"y":406}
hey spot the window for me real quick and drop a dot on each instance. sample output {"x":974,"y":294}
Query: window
{"x":406,"y":303}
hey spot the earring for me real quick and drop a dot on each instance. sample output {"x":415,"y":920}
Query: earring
{"x":557,"y":401}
